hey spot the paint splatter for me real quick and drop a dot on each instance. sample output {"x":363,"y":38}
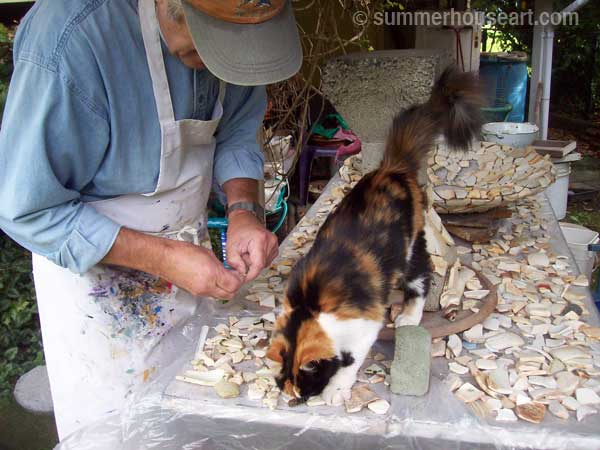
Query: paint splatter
{"x":134,"y":302}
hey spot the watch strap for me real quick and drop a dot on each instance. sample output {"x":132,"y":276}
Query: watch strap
{"x":253,"y":207}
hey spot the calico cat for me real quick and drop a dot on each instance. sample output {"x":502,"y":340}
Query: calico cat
{"x":337,"y":294}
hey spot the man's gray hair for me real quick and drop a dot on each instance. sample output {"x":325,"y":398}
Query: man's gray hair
{"x":174,"y":9}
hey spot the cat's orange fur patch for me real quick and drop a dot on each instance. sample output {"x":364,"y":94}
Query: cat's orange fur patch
{"x":278,"y":345}
{"x":375,"y":312}
{"x":312,"y":344}
{"x":418,"y":207}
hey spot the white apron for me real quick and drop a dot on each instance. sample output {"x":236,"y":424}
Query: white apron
{"x":100,"y":329}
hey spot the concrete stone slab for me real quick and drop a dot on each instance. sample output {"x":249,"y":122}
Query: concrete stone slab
{"x":32,"y":391}
{"x":369,"y":88}
{"x":412,"y":361}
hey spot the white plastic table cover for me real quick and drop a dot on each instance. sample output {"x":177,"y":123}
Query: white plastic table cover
{"x":174,"y":415}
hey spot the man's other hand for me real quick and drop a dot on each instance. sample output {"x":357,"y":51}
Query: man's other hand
{"x":250,"y":246}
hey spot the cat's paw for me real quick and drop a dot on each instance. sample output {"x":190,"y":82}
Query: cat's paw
{"x":339,"y":388}
{"x":405,"y":320}
{"x":336,"y":395}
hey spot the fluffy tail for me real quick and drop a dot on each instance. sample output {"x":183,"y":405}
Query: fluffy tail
{"x":452,"y":110}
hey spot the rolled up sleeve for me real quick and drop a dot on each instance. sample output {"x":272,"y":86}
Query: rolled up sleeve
{"x":238,"y":153}
{"x":52,"y":142}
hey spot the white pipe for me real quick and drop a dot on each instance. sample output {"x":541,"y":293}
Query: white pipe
{"x":574,"y":6}
{"x":537,"y":61}
{"x":547,"y":49}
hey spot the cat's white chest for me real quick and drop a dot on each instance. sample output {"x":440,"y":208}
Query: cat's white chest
{"x":352,"y":335}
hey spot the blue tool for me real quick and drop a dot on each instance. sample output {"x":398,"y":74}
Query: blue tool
{"x":221,"y":224}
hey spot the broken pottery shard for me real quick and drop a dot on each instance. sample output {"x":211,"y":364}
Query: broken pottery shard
{"x":582,"y":281}
{"x":379,"y":357}
{"x":493,"y":404}
{"x":453,"y":382}
{"x":315,"y":401}
{"x":209,"y":378}
{"x":570,"y":403}
{"x":457,"y":368}
{"x":486,"y":364}
{"x":374,"y":369}
{"x":361,"y":397}
{"x":477,"y":295}
{"x":591,"y":332}
{"x":586,"y":396}
{"x":255,"y":393}
{"x":567,"y":382}
{"x":585,"y":411}
{"x":438,"y":348}
{"x":249,"y":376}
{"x":531,"y":412}
{"x":566,"y":354}
{"x":267,"y":300}
{"x":558,"y":410}
{"x":469,"y":393}
{"x":506,"y":415}
{"x":454,"y":345}
{"x":474,"y":335}
{"x":539,"y":259}
{"x":226,"y":389}
{"x":412,"y":361}
{"x":503,"y":341}
{"x":498,"y":381}
{"x":379,"y":406}
{"x":547,"y":382}
{"x":491,"y":323}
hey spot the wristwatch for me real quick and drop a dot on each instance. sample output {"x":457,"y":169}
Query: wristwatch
{"x":253,"y":207}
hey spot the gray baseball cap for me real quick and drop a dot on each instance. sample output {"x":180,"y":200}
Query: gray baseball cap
{"x":245,"y":42}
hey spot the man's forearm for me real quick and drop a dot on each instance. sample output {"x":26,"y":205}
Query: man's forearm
{"x":138,"y":251}
{"x":241,"y":190}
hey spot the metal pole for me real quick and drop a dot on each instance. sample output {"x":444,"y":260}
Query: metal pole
{"x":548,"y":48}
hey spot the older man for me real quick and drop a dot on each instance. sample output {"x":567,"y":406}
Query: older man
{"x":112,"y":136}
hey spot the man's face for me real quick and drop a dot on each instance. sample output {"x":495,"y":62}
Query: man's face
{"x":178,"y":37}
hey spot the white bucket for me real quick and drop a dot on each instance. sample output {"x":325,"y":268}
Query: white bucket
{"x":558,"y":192}
{"x":579,"y":238}
{"x":513,"y":134}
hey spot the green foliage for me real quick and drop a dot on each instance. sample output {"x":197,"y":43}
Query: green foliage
{"x":576,"y":63}
{"x":6,"y":64}
{"x":20,"y":337}
{"x":506,"y":37}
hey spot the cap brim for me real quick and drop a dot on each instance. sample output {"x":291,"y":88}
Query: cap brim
{"x":247,"y":54}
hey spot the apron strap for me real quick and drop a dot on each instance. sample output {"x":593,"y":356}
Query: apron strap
{"x":222,"y":91}
{"x":156,"y":63}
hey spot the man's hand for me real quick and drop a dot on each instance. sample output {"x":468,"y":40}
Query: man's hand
{"x":250,"y":246}
{"x":198,"y":271}
{"x":193,"y":268}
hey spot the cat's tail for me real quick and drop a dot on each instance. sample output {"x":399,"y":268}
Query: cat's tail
{"x":452,"y":110}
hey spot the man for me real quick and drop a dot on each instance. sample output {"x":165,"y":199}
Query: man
{"x":112,"y":136}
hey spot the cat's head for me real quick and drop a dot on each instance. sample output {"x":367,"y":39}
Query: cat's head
{"x":306,"y":354}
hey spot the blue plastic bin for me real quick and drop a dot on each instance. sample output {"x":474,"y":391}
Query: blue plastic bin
{"x":504,"y":78}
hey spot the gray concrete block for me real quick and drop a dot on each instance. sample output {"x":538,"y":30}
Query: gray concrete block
{"x":412,"y":361}
{"x":369,"y":88}
{"x":32,"y":391}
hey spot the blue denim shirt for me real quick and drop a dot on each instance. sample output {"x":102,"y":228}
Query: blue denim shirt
{"x":81,"y":124}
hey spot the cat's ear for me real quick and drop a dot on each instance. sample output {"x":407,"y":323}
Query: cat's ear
{"x":278,"y":346}
{"x":310,"y":366}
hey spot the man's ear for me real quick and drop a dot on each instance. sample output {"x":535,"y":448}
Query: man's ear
{"x":278,"y":346}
